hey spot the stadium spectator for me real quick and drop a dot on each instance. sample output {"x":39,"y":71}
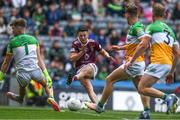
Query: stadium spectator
{"x":100,"y":12}
{"x":110,"y":28}
{"x":14,"y":14}
{"x":52,"y":14}
{"x":114,"y":37}
{"x":176,"y":11}
{"x":101,"y":38}
{"x":19,"y":3}
{"x":103,"y":73}
{"x":56,"y":51}
{"x":55,"y":30}
{"x":69,"y":29}
{"x":87,"y":8}
{"x":43,"y":29}
{"x":56,"y":69}
{"x":114,"y":8}
{"x":2,"y":16}
{"x":3,"y":28}
{"x":38,"y":15}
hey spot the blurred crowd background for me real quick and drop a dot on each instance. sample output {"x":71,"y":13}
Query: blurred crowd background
{"x":54,"y":23}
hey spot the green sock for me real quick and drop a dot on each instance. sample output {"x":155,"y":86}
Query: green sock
{"x":146,"y":109}
{"x":164,"y":96}
{"x":101,"y":104}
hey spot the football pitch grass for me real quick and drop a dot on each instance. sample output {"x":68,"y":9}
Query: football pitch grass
{"x":47,"y":113}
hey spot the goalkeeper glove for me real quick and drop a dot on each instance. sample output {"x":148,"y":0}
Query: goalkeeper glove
{"x":48,"y":78}
{"x":2,"y":76}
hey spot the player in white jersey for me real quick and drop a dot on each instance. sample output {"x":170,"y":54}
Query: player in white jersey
{"x":28,"y":62}
{"x":163,"y":57}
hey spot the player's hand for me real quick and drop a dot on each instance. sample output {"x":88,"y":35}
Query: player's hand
{"x":128,"y":64}
{"x":169,"y":78}
{"x":83,"y":48}
{"x":115,"y":48}
{"x":49,"y":81}
{"x":48,"y":78}
{"x":1,"y":76}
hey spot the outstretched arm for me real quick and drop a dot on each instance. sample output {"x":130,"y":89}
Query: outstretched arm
{"x":116,"y":47}
{"x":43,"y":68}
{"x":5,"y":65}
{"x":176,"y":55}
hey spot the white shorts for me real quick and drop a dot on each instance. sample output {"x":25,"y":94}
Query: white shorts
{"x":95,"y":69}
{"x":136,"y":69}
{"x":159,"y":71}
{"x":24,"y":77}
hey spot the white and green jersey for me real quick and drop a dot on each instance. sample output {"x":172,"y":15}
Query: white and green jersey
{"x":136,"y":31}
{"x":162,"y":40}
{"x":23,"y":47}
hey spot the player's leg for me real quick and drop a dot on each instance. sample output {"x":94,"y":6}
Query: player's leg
{"x":145,"y":101}
{"x":37,"y":76}
{"x":145,"y":88}
{"x":84,"y":76}
{"x":23,"y":80}
{"x":117,"y":75}
{"x":89,"y":89}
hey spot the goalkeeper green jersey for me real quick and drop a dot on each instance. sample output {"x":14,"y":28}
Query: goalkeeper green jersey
{"x":23,"y":47}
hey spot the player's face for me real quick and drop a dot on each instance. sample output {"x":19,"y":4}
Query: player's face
{"x":14,"y":30}
{"x":127,"y":17}
{"x":83,"y":36}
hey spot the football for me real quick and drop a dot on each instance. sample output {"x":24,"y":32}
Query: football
{"x":74,"y":104}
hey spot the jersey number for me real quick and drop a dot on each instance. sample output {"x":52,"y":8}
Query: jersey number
{"x":26,"y":49}
{"x":167,"y":41}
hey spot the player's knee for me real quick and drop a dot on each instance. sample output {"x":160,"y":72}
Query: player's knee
{"x":108,"y":81}
{"x":141,"y":89}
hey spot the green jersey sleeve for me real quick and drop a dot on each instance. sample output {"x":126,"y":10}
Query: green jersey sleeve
{"x":148,"y":30}
{"x":139,"y":31}
{"x":9,"y":49}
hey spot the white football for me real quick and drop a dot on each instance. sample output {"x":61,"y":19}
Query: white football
{"x":74,"y":104}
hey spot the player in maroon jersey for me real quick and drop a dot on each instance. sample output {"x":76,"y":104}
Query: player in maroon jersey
{"x":83,"y":54}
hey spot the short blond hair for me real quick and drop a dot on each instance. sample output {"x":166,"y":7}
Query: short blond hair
{"x":158,"y":10}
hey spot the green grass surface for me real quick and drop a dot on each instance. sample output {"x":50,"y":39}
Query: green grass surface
{"x":46,"y":113}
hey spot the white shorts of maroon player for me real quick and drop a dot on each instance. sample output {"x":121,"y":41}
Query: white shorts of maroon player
{"x":95,"y":69}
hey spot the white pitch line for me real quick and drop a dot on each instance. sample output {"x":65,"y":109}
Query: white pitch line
{"x":103,"y":115}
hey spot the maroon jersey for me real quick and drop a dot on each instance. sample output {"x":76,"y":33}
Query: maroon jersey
{"x":90,"y":54}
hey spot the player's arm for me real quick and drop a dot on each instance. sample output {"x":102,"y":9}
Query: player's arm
{"x":5,"y":65}
{"x":176,"y":55}
{"x":6,"y":62}
{"x":43,"y":67}
{"x":117,"y":48}
{"x":104,"y":53}
{"x":143,"y":45}
{"x":75,"y":55}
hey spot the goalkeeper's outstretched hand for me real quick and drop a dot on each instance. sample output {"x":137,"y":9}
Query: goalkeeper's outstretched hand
{"x":48,"y":78}
{"x":2,"y":76}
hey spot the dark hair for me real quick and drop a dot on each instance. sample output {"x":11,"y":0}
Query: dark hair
{"x":131,"y":9}
{"x":82,"y":29}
